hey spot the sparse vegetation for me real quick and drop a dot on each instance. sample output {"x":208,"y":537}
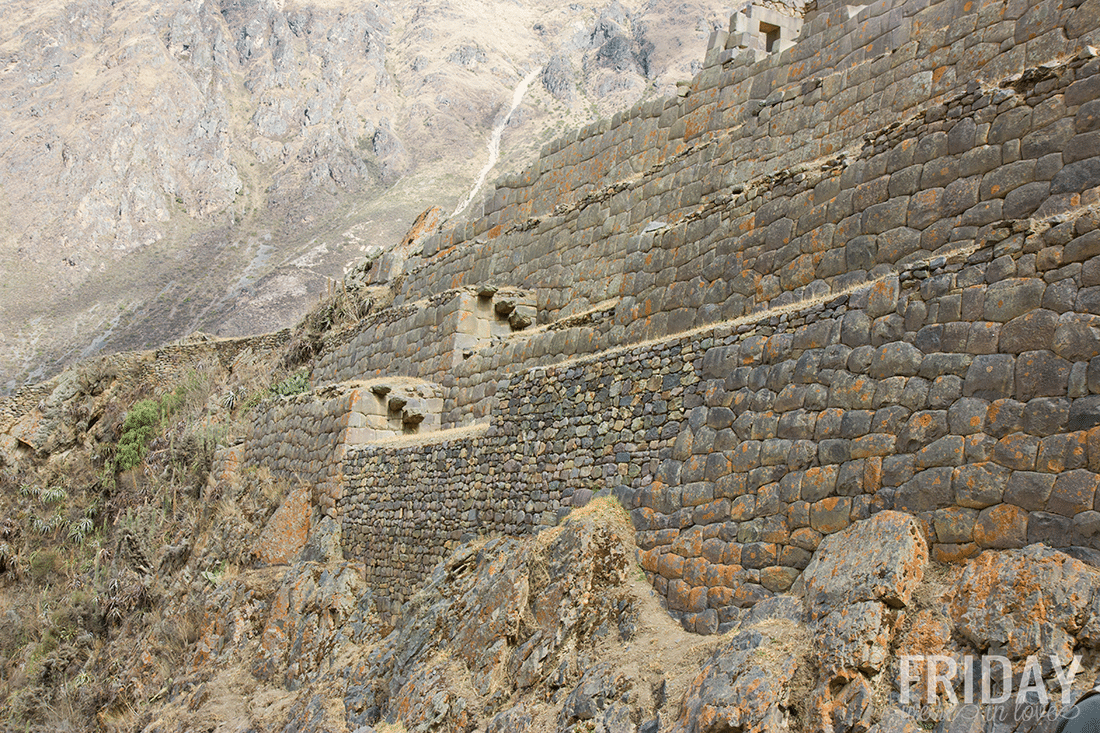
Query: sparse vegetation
{"x":296,"y":383}
{"x":44,"y":565}
{"x":97,"y":569}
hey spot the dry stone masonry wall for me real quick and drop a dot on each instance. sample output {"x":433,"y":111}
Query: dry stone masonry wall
{"x":157,"y":368}
{"x":853,"y":276}
{"x":428,"y":338}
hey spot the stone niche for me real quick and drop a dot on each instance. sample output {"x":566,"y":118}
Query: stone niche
{"x":755,"y":29}
{"x":488,"y":313}
{"x":389,"y":408}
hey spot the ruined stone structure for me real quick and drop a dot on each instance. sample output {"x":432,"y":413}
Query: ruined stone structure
{"x":25,"y":415}
{"x":854,"y":273}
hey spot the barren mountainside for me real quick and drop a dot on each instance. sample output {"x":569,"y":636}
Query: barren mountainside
{"x":178,"y":166}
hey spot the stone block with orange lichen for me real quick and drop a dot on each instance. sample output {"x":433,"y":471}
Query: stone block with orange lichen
{"x":1002,"y":526}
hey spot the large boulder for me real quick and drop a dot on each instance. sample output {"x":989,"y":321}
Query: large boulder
{"x":1030,"y":601}
{"x":853,"y":592}
{"x":879,"y":559}
{"x":745,"y":685}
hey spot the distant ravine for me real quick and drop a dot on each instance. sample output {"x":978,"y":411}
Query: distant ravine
{"x":494,"y":140}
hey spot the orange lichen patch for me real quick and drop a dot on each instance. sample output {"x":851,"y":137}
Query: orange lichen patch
{"x":287,"y":530}
{"x":695,"y":571}
{"x":995,"y":410}
{"x":1072,"y":450}
{"x":650,"y":560}
{"x":722,"y":576}
{"x":698,"y":122}
{"x":230,"y":464}
{"x":710,"y":513}
{"x":926,"y":636}
{"x":1017,"y":445}
{"x":26,"y":430}
{"x":720,"y":596}
{"x":425,"y":224}
{"x":816,"y":242}
{"x":689,"y":544}
{"x":947,"y":553}
{"x":671,"y":566}
{"x":1093,"y":440}
{"x":883,"y":288}
{"x":1003,"y":525}
{"x":872,"y":474}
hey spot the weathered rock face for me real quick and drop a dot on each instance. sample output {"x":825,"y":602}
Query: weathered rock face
{"x":514,"y":615}
{"x":855,"y":591}
{"x":1031,"y":601}
{"x":888,"y":570}
{"x":551,"y":633}
{"x":747,"y":684}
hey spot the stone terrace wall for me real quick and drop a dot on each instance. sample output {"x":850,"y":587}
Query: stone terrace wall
{"x":886,"y":221}
{"x":739,"y":449}
{"x":166,"y":366}
{"x":705,"y":163}
{"x":158,"y":368}
{"x":412,"y":340}
{"x":302,"y":438}
{"x":875,"y":141}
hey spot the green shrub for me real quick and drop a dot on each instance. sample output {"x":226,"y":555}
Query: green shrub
{"x":137,"y":430}
{"x":146,"y":417}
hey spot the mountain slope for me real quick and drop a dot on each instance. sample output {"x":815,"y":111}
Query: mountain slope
{"x":167,"y":161}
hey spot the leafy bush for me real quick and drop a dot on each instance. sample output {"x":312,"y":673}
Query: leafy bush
{"x":137,"y":430}
{"x":147,"y":416}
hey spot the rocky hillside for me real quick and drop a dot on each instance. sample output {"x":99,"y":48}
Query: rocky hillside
{"x":173,"y":166}
{"x":151,"y":583}
{"x":773,"y":405}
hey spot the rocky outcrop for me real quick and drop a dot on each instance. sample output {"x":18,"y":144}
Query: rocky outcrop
{"x":1028,"y":602}
{"x":551,"y":632}
{"x":747,"y":685}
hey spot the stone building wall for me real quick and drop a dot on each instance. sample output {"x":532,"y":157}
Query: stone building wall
{"x":691,"y":164}
{"x":740,"y":447}
{"x":428,"y":338}
{"x":854,"y":276}
{"x":302,"y":437}
{"x":877,"y":138}
{"x":305,"y":437}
